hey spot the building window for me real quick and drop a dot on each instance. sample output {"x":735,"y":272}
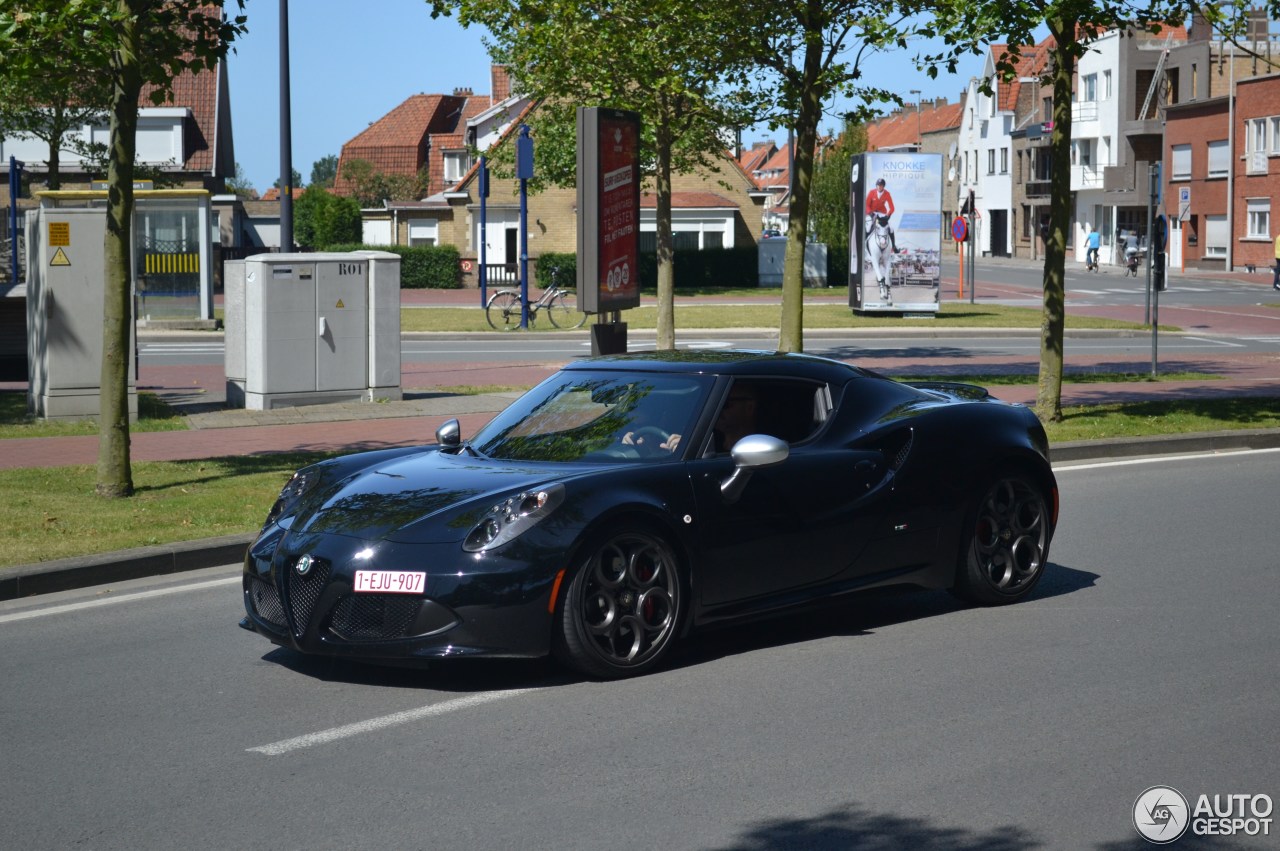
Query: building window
{"x":1274,"y":124}
{"x":1004,"y":160}
{"x":1255,"y":135}
{"x":1259,"y":225}
{"x":1195,"y":81}
{"x":1216,"y":236}
{"x":1219,"y":160}
{"x":423,"y":232}
{"x":456,"y":164}
{"x":1082,"y":152}
{"x":1106,"y":85}
{"x":1089,"y":87}
{"x":991,"y":161}
{"x":1181,"y":163}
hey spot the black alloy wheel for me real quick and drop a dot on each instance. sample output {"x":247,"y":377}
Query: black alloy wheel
{"x":1006,"y":544}
{"x":620,"y":613}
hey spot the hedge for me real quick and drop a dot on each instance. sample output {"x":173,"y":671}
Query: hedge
{"x":711,"y":267}
{"x":422,"y":267}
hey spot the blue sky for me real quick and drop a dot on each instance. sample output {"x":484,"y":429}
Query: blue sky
{"x":352,"y":63}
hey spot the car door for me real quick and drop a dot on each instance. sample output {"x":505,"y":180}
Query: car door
{"x":796,"y":523}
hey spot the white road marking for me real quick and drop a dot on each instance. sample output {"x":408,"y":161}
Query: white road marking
{"x":374,"y":724}
{"x":111,"y":601}
{"x":1129,"y":462}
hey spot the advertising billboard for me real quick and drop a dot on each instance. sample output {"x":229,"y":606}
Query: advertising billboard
{"x":608,"y":209}
{"x":895,"y":240}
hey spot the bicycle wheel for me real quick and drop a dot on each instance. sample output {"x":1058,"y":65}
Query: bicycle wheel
{"x":503,"y":311}
{"x":563,"y":310}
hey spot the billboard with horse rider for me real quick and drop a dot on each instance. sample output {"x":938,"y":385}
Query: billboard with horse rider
{"x":895,"y":240}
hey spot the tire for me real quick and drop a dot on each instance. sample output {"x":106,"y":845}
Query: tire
{"x":564,"y":313}
{"x":1005,"y":544}
{"x":621,"y":612}
{"x":503,"y":311}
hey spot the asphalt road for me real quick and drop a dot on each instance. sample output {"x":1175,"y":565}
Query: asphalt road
{"x":140,"y":716}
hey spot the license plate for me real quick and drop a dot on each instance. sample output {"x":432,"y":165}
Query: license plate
{"x":390,"y":582}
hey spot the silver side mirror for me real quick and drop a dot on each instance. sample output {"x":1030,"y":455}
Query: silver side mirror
{"x":749,"y":454}
{"x":449,"y":435}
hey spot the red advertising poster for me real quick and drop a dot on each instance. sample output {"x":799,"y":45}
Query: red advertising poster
{"x":619,"y":147}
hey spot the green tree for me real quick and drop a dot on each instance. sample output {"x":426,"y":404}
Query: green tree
{"x":1072,"y":24}
{"x":829,"y":208}
{"x":807,"y":52}
{"x":664,"y":59}
{"x":339,"y":222}
{"x":129,"y":44}
{"x":297,"y":180}
{"x":324,"y":171}
{"x":321,"y":219}
{"x":371,"y":188}
{"x":58,"y":101}
{"x":241,"y":185}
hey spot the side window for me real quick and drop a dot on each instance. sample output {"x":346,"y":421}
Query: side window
{"x":791,"y":410}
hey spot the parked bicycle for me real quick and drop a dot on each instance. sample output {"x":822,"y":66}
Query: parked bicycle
{"x":561,"y":306}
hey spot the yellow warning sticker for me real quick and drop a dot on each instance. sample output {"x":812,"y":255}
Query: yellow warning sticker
{"x":59,"y":233}
{"x":59,"y":259}
{"x":340,"y":305}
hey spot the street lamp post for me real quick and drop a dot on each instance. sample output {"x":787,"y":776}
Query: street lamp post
{"x":919,"y":139}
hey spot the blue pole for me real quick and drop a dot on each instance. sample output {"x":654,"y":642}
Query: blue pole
{"x":524,"y":171}
{"x":524,"y":254}
{"x":483,"y":179}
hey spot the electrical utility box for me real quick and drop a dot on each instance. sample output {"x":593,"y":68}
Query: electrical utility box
{"x":65,"y":301}
{"x":306,"y":329}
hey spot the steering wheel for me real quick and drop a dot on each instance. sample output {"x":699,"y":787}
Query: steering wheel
{"x":649,"y":440}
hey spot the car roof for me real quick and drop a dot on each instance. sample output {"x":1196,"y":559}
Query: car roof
{"x":724,"y":362}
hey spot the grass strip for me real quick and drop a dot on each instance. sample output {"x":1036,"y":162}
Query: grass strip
{"x":153,"y":415}
{"x":816,"y":317}
{"x":53,"y":513}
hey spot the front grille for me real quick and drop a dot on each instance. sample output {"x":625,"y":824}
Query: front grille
{"x":304,"y":591}
{"x":374,"y":617}
{"x":266,"y":602}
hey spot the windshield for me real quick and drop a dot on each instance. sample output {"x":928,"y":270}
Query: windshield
{"x":598,"y":416}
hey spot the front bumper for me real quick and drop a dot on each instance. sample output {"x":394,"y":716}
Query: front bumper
{"x":495,"y":604}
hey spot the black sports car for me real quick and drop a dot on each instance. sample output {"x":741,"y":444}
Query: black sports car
{"x":627,"y":500}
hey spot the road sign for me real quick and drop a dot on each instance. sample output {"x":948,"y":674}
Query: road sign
{"x":959,"y":229}
{"x":1184,"y":203}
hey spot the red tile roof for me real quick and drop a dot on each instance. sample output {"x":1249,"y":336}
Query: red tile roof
{"x":273,"y":194}
{"x":903,"y":128}
{"x":689,"y":200}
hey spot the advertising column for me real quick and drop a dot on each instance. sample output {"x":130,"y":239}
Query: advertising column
{"x":608,"y":220}
{"x":895,"y":240}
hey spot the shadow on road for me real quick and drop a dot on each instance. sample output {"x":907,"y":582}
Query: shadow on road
{"x":858,"y":614}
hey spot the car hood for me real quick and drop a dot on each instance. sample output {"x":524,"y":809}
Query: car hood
{"x":427,"y":497}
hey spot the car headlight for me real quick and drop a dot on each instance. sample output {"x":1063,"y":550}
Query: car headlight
{"x":512,"y":517}
{"x":290,"y":494}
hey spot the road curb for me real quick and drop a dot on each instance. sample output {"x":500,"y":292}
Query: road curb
{"x":1174,"y":444}
{"x":82,"y":571}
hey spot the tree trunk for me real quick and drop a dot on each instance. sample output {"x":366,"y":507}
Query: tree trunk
{"x":791,"y":333}
{"x":115,"y":478}
{"x":1053,"y":319}
{"x":666,"y":250}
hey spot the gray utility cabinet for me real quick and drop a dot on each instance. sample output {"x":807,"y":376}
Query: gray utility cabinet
{"x":304,"y":329}
{"x":65,"y":298}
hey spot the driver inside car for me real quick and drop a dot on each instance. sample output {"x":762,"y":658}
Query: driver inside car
{"x":644,"y":436}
